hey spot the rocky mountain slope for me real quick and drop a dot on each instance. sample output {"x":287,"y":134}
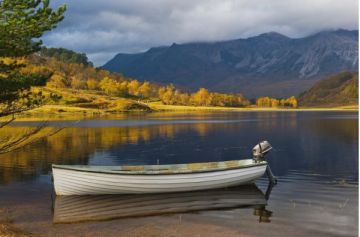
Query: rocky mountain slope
{"x":269,"y":64}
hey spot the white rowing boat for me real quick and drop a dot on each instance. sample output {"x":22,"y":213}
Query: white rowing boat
{"x":136,"y":179}
{"x":70,"y":209}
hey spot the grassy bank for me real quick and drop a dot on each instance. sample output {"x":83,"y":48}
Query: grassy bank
{"x":61,"y":112}
{"x":84,"y":101}
{"x":158,"y":106}
{"x":123,"y":106}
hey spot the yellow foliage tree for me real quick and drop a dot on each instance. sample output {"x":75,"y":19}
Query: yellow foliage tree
{"x":201,"y":97}
{"x":167,"y":94}
{"x":183,"y":98}
{"x":133,"y":87}
{"x":57,"y":81}
{"x":123,"y":88}
{"x":145,"y":90}
{"x":272,"y":102}
{"x":292,"y":101}
{"x":76,"y":83}
{"x":263,"y":102}
{"x":109,"y":86}
{"x":92,"y":84}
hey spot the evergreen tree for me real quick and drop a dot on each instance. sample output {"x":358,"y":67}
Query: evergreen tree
{"x":22,"y":23}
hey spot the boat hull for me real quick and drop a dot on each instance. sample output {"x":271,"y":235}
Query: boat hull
{"x":79,"y":182}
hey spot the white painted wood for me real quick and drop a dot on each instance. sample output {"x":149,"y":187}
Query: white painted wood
{"x":72,"y":180}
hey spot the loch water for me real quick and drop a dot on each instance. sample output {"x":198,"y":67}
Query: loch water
{"x":315,"y":159}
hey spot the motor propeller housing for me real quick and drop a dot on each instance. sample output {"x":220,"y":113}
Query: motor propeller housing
{"x":261,"y":149}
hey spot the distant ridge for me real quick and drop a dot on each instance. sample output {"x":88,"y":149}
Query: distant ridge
{"x":269,"y":64}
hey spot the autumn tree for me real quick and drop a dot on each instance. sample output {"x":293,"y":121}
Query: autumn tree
{"x":133,"y":87}
{"x":57,"y":81}
{"x":114,"y":87}
{"x":263,"y":102}
{"x":202,"y":97}
{"x":183,"y":98}
{"x":145,"y":90}
{"x":123,"y":88}
{"x":274,"y":103}
{"x":292,"y":102}
{"x":167,"y":94}
{"x":77,"y":83}
{"x":109,"y":86}
{"x":92,"y":84}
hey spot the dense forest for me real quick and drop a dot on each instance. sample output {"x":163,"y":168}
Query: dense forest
{"x":65,"y":55}
{"x":68,"y":69}
{"x":274,"y":103}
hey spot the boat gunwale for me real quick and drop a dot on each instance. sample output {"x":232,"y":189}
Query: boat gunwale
{"x":145,"y":172}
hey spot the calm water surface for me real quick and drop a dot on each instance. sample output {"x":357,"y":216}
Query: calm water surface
{"x":315,"y":157}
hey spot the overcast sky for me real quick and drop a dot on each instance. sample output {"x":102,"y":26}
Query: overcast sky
{"x":103,"y":28}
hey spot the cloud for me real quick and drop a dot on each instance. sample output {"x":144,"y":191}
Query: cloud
{"x":104,"y":28}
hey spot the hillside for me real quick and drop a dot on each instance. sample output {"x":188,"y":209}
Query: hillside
{"x":269,"y":64}
{"x":339,"y":89}
{"x":79,"y":87}
{"x":82,"y":86}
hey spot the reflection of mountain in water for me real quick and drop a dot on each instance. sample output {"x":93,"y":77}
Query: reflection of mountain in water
{"x":68,"y":209}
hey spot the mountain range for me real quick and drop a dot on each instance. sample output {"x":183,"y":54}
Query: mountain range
{"x":269,"y":64}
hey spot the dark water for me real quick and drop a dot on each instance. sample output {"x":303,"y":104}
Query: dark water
{"x":315,"y":157}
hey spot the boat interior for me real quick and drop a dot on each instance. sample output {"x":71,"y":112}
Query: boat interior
{"x":167,"y":168}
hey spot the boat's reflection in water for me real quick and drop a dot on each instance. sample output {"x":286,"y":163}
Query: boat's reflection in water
{"x":70,"y":209}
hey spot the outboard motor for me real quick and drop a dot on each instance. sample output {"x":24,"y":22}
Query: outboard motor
{"x":261,"y":149}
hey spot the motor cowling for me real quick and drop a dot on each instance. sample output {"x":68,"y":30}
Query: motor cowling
{"x":261,"y":149}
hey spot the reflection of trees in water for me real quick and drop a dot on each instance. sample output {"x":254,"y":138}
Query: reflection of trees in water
{"x":268,"y":121}
{"x":75,"y":145}
{"x":36,"y":158}
{"x":344,"y":130}
{"x":306,"y":143}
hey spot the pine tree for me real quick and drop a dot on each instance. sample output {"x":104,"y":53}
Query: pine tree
{"x":22,"y":23}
